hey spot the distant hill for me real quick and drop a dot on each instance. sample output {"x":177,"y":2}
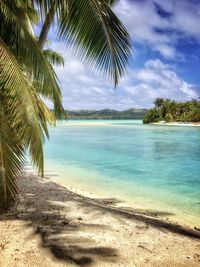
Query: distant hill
{"x":106,"y":114}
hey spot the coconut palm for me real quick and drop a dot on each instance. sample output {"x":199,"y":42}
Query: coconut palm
{"x":53,"y":57}
{"x":27,"y":76}
{"x":92,"y":30}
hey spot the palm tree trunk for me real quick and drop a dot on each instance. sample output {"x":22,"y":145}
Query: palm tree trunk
{"x":47,"y":25}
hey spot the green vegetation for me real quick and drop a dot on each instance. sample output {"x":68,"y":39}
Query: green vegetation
{"x":27,"y":76}
{"x":170,"y":111}
{"x":107,"y":114}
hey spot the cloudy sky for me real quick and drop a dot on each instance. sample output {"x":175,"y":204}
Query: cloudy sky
{"x":165,"y":63}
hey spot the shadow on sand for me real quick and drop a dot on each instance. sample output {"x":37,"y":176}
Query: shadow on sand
{"x":63,"y":236}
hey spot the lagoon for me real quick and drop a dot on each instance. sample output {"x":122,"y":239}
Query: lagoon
{"x":151,"y":167}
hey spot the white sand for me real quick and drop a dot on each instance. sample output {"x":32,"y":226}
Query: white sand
{"x":52,"y":226}
{"x":177,"y":123}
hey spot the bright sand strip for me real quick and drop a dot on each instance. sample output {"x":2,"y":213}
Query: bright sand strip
{"x":120,"y":123}
{"x":53,"y":226}
{"x":163,"y":123}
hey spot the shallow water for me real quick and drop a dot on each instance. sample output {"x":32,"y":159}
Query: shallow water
{"x":148,"y":166}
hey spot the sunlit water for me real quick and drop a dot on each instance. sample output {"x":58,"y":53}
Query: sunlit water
{"x":147,"y":166}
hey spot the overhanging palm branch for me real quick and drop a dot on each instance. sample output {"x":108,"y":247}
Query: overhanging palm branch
{"x":11,"y":162}
{"x":97,"y":36}
{"x":93,"y":31}
{"x":24,"y":119}
{"x":53,"y":57}
{"x":28,"y":53}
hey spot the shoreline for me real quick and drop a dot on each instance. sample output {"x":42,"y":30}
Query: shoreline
{"x":138,"y":203}
{"x":53,"y":226}
{"x":87,"y":183}
{"x":119,"y":123}
{"x":190,"y":124}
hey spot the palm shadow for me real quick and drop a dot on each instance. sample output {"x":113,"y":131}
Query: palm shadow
{"x":63,"y":235}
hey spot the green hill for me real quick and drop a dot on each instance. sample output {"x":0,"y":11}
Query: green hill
{"x":106,"y":114}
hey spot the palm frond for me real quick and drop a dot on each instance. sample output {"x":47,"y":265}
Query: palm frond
{"x":53,"y":57}
{"x":28,"y":53}
{"x":26,"y":113}
{"x":27,"y":76}
{"x":11,"y":162}
{"x":98,"y":37}
{"x":94,"y":32}
{"x":45,"y":5}
{"x":110,"y":2}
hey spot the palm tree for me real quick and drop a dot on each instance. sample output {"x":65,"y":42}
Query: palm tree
{"x":159,"y":102}
{"x":92,"y":30}
{"x":27,"y":75}
{"x":53,"y":57}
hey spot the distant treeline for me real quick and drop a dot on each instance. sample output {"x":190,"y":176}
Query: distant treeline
{"x":170,"y":111}
{"x":107,"y":114}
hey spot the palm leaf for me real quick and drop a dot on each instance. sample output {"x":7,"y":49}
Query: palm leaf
{"x":97,"y":36}
{"x":53,"y":57}
{"x":11,"y":162}
{"x":26,"y":113}
{"x":45,"y":5}
{"x":94,"y":32}
{"x":28,"y":53}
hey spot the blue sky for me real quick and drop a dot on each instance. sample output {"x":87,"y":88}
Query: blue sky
{"x":165,"y":62}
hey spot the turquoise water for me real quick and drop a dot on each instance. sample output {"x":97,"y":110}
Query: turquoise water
{"x":149,"y":166}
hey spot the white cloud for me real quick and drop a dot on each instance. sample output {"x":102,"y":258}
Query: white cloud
{"x":82,"y":89}
{"x":185,"y":17}
{"x":143,"y":21}
{"x":166,"y":51}
{"x":157,"y":79}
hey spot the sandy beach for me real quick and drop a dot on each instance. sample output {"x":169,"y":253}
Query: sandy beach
{"x":118,"y":123}
{"x":176,"y":123}
{"x":52,"y":226}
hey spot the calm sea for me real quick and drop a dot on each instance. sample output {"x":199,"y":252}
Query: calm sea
{"x":145,"y":166}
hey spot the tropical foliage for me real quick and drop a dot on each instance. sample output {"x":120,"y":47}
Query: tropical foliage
{"x":169,"y":111}
{"x":27,"y":77}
